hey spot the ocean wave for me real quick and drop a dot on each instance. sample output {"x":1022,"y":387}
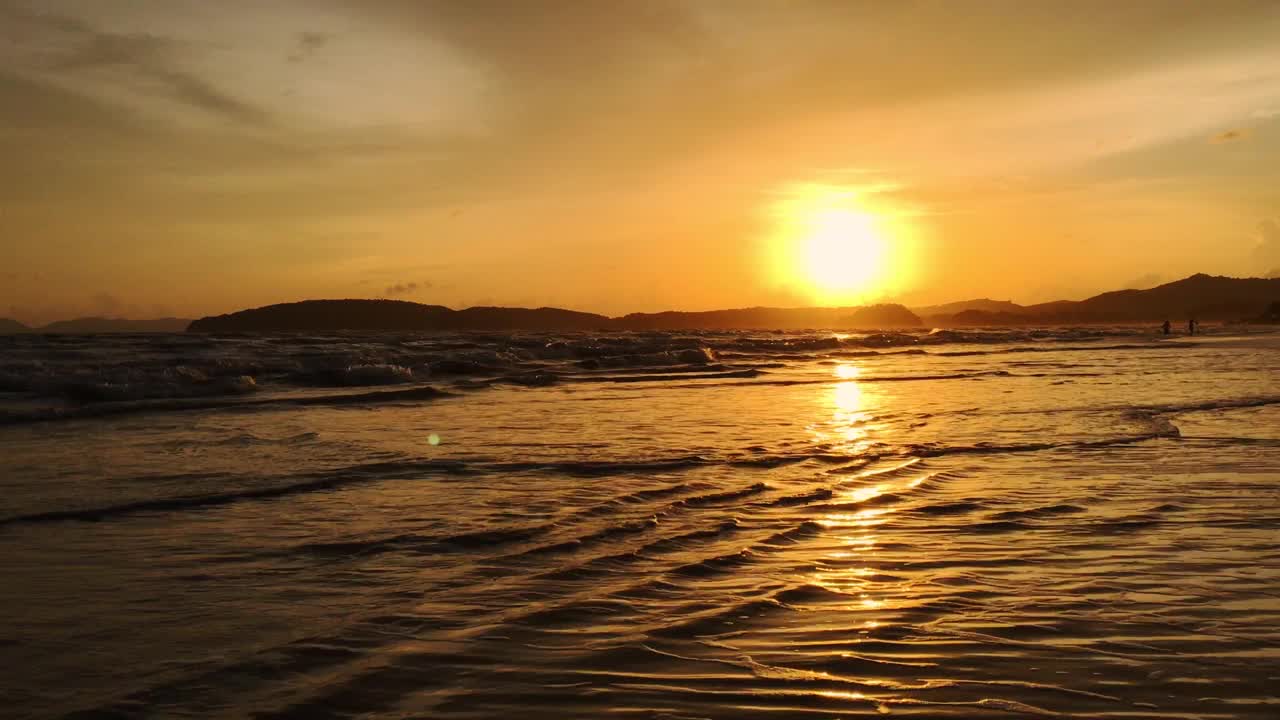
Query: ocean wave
{"x":728,"y":496}
{"x":1043,"y":511}
{"x":973,"y":375}
{"x":683,"y":541}
{"x":115,"y":408}
{"x":717,"y":565}
{"x":806,"y":529}
{"x":108,"y":369}
{"x":1063,"y":348}
{"x":804,"y":498}
{"x":935,"y":450}
{"x":411,"y":469}
{"x":606,"y":534}
{"x":947,"y":509}
{"x":735,"y":374}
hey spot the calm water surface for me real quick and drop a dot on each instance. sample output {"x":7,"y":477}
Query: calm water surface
{"x":950,"y":525}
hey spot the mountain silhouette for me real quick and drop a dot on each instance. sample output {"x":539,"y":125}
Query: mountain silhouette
{"x":8,"y":327}
{"x":981,"y":305}
{"x":1200,"y":296}
{"x":766,"y":318}
{"x":376,"y":315}
{"x":1203,"y":297}
{"x":95,"y":325}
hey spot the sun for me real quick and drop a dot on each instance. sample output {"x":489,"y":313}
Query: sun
{"x":836,"y":246}
{"x":843,"y":251}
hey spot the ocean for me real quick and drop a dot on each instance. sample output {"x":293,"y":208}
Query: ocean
{"x":1062,"y":523}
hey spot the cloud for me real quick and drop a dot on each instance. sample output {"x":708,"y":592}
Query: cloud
{"x":308,"y":44}
{"x":409,"y":288}
{"x":1144,"y":282}
{"x":70,"y":50}
{"x":1230,"y":136}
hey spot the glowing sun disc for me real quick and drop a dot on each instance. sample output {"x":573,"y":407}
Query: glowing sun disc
{"x":843,"y":250}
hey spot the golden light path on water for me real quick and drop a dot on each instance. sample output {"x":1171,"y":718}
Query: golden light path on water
{"x":852,"y":428}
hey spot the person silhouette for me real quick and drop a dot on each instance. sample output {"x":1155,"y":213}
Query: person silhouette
{"x":1191,"y":326}
{"x":1166,"y":327}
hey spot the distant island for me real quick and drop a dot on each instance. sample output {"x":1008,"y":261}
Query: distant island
{"x":382,"y":315}
{"x":1203,"y":297}
{"x":95,"y":325}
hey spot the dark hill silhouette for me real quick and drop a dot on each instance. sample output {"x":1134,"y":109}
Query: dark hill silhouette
{"x":981,"y":305}
{"x":982,"y":318}
{"x":327,"y":315}
{"x":373,"y":315}
{"x":765,"y":318}
{"x":8,"y":327}
{"x":1203,"y":297}
{"x":544,"y":318}
{"x":95,"y":325}
{"x":881,"y":317}
{"x":1271,"y":315}
{"x":321,"y":315}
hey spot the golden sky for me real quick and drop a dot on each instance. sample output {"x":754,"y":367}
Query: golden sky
{"x":184,"y":157}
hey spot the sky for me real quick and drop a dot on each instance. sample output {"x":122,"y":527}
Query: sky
{"x":184,"y":158}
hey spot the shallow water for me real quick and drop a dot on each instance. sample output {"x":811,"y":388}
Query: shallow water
{"x":1078,"y":523}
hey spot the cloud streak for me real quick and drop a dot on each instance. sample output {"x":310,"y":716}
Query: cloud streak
{"x":73,"y":53}
{"x":409,"y":288}
{"x":1230,"y":136}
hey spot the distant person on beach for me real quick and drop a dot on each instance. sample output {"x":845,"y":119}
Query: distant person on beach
{"x":1191,"y":326}
{"x":1166,"y":327}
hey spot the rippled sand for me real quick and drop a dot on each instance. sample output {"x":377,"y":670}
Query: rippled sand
{"x":990,"y":527}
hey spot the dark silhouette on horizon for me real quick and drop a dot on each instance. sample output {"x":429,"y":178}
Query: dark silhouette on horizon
{"x":1221,"y":299}
{"x":95,"y":325}
{"x":1206,"y":297}
{"x":1270,"y":315}
{"x":383,"y":315}
{"x":1201,"y":296}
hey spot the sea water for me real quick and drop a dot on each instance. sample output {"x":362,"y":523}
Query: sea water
{"x":1065,"y":522}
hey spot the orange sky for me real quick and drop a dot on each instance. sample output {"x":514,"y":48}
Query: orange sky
{"x":180,"y":157}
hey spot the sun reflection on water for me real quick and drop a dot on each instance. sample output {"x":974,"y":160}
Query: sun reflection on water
{"x":851,"y":424}
{"x":857,"y":525}
{"x":847,"y":372}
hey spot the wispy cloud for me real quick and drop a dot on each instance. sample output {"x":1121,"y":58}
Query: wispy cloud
{"x":71,"y":52}
{"x":1230,"y":136}
{"x":1146,"y":281}
{"x":308,"y":44}
{"x":409,"y":288}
